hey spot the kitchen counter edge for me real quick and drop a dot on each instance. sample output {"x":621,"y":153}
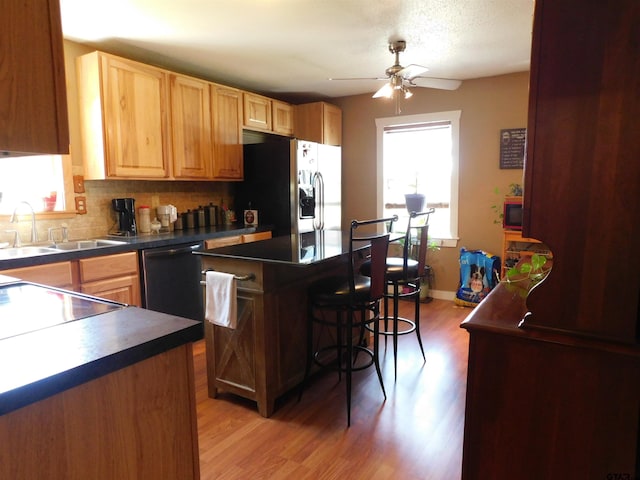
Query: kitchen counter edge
{"x":89,"y":348}
{"x":133,"y":244}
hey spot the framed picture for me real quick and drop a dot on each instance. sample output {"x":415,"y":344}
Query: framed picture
{"x":512,"y":147}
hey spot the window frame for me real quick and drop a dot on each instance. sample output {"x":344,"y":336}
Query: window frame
{"x":452,"y":116}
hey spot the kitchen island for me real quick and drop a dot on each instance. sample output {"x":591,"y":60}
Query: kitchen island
{"x":265,"y":355}
{"x":105,"y":391}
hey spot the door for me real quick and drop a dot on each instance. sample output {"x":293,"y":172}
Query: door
{"x":226,"y":111}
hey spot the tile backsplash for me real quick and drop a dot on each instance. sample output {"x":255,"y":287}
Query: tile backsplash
{"x":100,"y":218}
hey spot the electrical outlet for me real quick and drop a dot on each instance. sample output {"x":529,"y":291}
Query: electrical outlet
{"x":81,"y":205}
{"x":78,"y":184}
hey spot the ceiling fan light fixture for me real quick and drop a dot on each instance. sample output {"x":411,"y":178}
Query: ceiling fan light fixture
{"x":407,"y":92}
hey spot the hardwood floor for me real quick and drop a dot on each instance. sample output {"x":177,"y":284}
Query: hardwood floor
{"x":415,"y":434}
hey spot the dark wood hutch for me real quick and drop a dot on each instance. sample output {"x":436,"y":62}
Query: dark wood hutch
{"x":553,"y":385}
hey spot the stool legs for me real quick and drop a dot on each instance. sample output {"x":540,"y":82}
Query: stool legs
{"x":395,"y":320}
{"x":345,"y":350}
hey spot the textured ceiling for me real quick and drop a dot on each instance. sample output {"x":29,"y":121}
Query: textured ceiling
{"x":291,"y":48}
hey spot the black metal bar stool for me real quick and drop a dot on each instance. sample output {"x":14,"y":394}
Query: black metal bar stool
{"x":404,"y":276}
{"x":355,"y":300}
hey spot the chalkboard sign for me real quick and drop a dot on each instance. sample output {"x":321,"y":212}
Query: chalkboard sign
{"x":512,"y":143}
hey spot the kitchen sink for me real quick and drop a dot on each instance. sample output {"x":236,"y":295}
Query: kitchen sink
{"x":35,"y":250}
{"x":29,"y":251}
{"x":84,"y":244}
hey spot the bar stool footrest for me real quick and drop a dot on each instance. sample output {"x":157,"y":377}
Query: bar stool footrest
{"x":338,"y":364}
{"x":410,"y":326}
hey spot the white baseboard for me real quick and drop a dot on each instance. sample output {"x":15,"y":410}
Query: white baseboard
{"x":442,"y":294}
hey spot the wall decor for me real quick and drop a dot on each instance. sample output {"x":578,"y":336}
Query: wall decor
{"x":512,"y":147}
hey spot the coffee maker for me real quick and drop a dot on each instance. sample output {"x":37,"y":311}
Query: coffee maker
{"x":125,"y":207}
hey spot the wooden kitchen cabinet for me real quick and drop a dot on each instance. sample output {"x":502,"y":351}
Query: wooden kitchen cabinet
{"x":318,"y":122}
{"x":190,"y":127}
{"x":256,"y":111}
{"x":61,"y":274}
{"x":226,"y":111}
{"x":123,"y":118}
{"x":114,"y":277}
{"x":33,"y":97}
{"x":282,"y":118}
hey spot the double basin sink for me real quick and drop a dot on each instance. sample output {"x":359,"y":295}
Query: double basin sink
{"x":34,"y":250}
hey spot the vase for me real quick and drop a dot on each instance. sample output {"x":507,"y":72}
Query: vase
{"x":414,"y":201}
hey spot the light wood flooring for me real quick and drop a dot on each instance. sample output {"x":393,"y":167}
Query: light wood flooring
{"x":415,"y":434}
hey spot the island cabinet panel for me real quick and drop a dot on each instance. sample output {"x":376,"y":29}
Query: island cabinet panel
{"x":264,"y":357}
{"x":137,"y":422}
{"x":33,"y":101}
{"x":190,"y":127}
{"x":123,"y":118}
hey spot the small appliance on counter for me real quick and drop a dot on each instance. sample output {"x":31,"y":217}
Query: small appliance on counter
{"x":167,"y":214}
{"x":125,"y":207}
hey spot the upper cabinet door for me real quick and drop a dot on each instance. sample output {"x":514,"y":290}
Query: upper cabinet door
{"x":33,"y":101}
{"x":227,"y":133}
{"x":123,"y":117}
{"x":282,"y":118}
{"x":257,"y":111}
{"x":190,"y":127}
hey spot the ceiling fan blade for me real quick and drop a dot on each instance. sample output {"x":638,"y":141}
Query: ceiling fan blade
{"x":360,"y":78}
{"x":432,"y":82}
{"x":385,"y":91}
{"x":412,"y":71}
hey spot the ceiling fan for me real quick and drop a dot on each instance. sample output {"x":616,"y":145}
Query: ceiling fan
{"x":400,"y":78}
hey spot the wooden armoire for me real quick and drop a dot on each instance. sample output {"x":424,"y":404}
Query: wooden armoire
{"x":553,"y":388}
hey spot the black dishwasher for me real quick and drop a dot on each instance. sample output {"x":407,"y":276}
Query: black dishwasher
{"x":171,"y":280}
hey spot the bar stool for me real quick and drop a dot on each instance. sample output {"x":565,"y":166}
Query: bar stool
{"x":404,"y":277}
{"x":355,"y":300}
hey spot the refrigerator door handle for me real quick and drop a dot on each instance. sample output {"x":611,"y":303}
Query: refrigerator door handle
{"x":318,"y":222}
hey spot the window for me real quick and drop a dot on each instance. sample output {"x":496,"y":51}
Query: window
{"x":419,"y":154}
{"x":37,"y":179}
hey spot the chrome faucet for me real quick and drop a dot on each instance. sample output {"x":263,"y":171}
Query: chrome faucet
{"x":34,"y":232}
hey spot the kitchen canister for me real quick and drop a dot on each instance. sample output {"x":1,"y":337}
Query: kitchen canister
{"x":144,"y":219}
{"x":213,"y":214}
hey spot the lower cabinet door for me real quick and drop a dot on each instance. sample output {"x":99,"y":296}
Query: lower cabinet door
{"x":124,"y":289}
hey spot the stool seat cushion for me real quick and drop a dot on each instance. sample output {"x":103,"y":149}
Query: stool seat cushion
{"x":395,"y":271}
{"x":335,"y":291}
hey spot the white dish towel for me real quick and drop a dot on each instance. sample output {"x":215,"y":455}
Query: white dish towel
{"x":221,"y":306}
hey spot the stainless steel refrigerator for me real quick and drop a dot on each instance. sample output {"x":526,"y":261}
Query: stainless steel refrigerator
{"x":294,"y":184}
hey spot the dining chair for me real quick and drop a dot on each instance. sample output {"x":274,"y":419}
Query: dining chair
{"x":355,"y":301}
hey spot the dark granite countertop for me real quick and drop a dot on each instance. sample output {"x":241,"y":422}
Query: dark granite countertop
{"x":295,"y":250}
{"x":52,"y":358}
{"x":132,"y":244}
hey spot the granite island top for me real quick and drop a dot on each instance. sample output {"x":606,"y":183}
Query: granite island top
{"x":295,"y":250}
{"x":42,"y":357}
